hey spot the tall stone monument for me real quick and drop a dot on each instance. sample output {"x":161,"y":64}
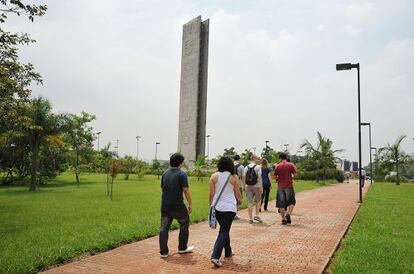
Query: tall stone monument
{"x":193,"y":89}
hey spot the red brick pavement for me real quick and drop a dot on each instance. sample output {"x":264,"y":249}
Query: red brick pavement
{"x":319,"y":221}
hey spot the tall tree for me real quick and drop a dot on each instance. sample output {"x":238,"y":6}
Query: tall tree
{"x":392,"y":153}
{"x":15,"y":77}
{"x":321,"y":156}
{"x":229,"y":152}
{"x":42,"y":124}
{"x":79,"y":135}
{"x":127,"y":165}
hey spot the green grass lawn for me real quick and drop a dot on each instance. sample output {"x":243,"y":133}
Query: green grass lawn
{"x":62,"y":221}
{"x":381,"y":238}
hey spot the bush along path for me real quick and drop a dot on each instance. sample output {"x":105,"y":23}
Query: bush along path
{"x":319,"y":221}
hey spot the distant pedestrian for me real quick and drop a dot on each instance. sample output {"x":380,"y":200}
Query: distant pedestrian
{"x":253,"y":186}
{"x":174,"y":183}
{"x":285,"y":196}
{"x":363,"y":176}
{"x":267,"y":183}
{"x":238,"y":171}
{"x":225,"y":182}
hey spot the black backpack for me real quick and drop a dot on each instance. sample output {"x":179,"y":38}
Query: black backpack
{"x":236,"y":167}
{"x":251,"y":176}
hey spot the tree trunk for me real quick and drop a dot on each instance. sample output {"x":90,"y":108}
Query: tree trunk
{"x":35,"y":157}
{"x":398,"y":174}
{"x":107,"y":184}
{"x":76,"y":167}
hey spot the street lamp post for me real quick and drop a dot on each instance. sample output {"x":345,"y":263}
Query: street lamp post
{"x":349,"y":66}
{"x":117,"y":148}
{"x":138,"y":137}
{"x":156,"y":149}
{"x":98,"y":133}
{"x":376,"y":158}
{"x":266,"y":150}
{"x":370,"y":154}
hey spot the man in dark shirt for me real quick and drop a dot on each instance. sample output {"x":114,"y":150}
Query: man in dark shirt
{"x":285,"y":196}
{"x":174,"y":183}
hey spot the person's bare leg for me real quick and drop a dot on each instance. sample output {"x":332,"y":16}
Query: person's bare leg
{"x":290,"y":209}
{"x":250,"y":211}
{"x":257,"y":208}
{"x":282,"y":213}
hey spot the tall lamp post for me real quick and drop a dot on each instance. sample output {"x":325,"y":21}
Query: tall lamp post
{"x":138,"y":137}
{"x":370,"y":155}
{"x":267,"y":150}
{"x":349,"y":66}
{"x":375,"y":155}
{"x":208,"y":146}
{"x":98,"y":133}
{"x":156,"y":149}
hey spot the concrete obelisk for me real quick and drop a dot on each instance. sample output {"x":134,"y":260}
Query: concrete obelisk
{"x":193,"y":90}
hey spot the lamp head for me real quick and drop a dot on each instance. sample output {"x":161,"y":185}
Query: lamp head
{"x":346,"y":66}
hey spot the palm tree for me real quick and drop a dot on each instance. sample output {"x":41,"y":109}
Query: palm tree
{"x":42,"y":124}
{"x":321,"y":155}
{"x":394,"y":154}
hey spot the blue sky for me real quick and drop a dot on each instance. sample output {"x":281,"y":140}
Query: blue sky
{"x":271,"y":70}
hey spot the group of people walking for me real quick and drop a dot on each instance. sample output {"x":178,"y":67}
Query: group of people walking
{"x":227,"y":186}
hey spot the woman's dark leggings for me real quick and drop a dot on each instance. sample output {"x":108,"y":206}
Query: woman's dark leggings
{"x":225,"y":219}
{"x":265,"y":197}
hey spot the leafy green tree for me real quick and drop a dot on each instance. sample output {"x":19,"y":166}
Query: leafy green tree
{"x":112,"y":173}
{"x":156,"y":168}
{"x":322,"y":156}
{"x":15,"y":77}
{"x":270,"y":154}
{"x":245,"y":157}
{"x":142,"y":169}
{"x":199,"y":167}
{"x":392,"y":154}
{"x":229,"y":152}
{"x":42,"y":125}
{"x":127,"y":165}
{"x":79,"y":135}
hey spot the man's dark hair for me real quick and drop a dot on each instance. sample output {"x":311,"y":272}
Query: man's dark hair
{"x":282,"y":156}
{"x":176,"y":159}
{"x":225,"y":164}
{"x":236,"y":157}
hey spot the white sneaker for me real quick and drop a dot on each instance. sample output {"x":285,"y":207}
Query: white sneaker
{"x":188,"y":250}
{"x":237,"y":217}
{"x":217,"y":262}
{"x":164,"y":256}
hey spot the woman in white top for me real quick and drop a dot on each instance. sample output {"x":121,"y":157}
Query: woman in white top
{"x":226,"y":207}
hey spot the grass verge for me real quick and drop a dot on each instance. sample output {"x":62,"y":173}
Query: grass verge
{"x":381,"y":237}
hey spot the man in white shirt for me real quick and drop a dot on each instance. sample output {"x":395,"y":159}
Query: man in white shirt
{"x":253,"y":186}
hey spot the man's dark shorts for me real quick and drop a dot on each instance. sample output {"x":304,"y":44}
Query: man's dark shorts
{"x":285,"y":197}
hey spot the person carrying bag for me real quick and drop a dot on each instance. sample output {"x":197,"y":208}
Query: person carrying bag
{"x":223,"y":206}
{"x":212,"y":220}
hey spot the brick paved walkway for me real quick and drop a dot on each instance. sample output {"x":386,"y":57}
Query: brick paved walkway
{"x":318,"y":224}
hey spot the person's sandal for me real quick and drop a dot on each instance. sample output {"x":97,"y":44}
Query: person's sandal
{"x":284,"y":222}
{"x":250,"y":221}
{"x":217,"y":262}
{"x":258,"y":219}
{"x":288,"y":219}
